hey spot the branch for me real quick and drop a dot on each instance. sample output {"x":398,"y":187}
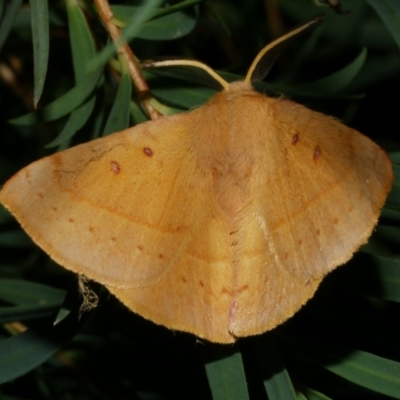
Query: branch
{"x":139,"y":82}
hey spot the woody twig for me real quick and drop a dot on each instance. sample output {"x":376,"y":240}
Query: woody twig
{"x":123,"y":48}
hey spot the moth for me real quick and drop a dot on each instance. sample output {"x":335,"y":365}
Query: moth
{"x":221,"y":221}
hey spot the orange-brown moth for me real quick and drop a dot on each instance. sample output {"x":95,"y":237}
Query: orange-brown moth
{"x":221,"y":221}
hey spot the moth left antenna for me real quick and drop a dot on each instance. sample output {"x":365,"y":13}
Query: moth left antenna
{"x":179,"y":62}
{"x":267,"y":56}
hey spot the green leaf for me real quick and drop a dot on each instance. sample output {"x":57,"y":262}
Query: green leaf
{"x":168,"y":27}
{"x":8,"y":19}
{"x":389,"y":11}
{"x":137,"y":114}
{"x":118,"y":119}
{"x":337,"y":81}
{"x":395,"y":157}
{"x":394,"y":195}
{"x":28,"y":293}
{"x":83,"y":51}
{"x":76,"y":121}
{"x":82,"y":43}
{"x":365,"y":369}
{"x":312,"y":394}
{"x":25,"y":351}
{"x":23,"y":313}
{"x":368,"y":370}
{"x":384,"y":242}
{"x":275,"y":376}
{"x":5,"y":215}
{"x":170,"y":9}
{"x":393,"y":215}
{"x":64,"y":104}
{"x":225,"y":373}
{"x":15,"y":239}
{"x":182,"y":96}
{"x":40,"y":36}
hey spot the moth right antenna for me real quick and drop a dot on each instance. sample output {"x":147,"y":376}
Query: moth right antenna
{"x":266,"y":58}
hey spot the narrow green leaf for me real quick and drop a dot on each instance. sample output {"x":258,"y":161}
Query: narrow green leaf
{"x":394,"y":195}
{"x":15,"y":239}
{"x":175,"y":7}
{"x":385,"y":242}
{"x":225,"y":373}
{"x":395,"y":157}
{"x":276,"y":379}
{"x":312,"y":394}
{"x":25,"y":351}
{"x":83,"y":50}
{"x":389,"y":11}
{"x":367,"y":370}
{"x":337,"y":81}
{"x":388,"y":213}
{"x":182,"y":97}
{"x":76,"y":120}
{"x":137,"y":114}
{"x":23,"y":313}
{"x":8,"y":19}
{"x":82,"y":42}
{"x":40,"y":37}
{"x":300,"y":396}
{"x":4,"y":215}
{"x":119,"y":114}
{"x":98,"y":120}
{"x":17,"y":291}
{"x":168,"y":27}
{"x":396,"y":170}
{"x":64,"y":104}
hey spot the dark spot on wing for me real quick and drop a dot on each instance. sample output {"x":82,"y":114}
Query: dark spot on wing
{"x":295,"y":138}
{"x":140,"y":247}
{"x":115,"y":167}
{"x":317,"y":153}
{"x":148,"y":151}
